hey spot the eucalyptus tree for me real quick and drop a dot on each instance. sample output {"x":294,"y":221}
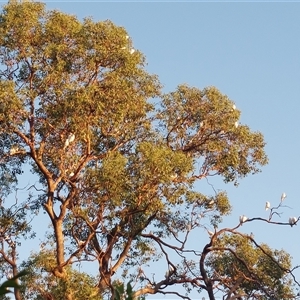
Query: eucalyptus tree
{"x":116,"y":159}
{"x":39,"y":283}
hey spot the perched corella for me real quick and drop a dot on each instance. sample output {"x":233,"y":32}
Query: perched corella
{"x":236,"y":124}
{"x":69,"y":140}
{"x":67,"y":143}
{"x":132,"y":51}
{"x":243,"y":219}
{"x":268,"y":205}
{"x":293,"y":221}
{"x":169,"y":272}
{"x":71,"y":137}
{"x":233,"y":107}
{"x":283,"y":196}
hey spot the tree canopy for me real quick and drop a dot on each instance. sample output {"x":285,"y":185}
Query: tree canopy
{"x":117,"y":162}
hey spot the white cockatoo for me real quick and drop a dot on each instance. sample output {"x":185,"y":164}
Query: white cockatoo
{"x":293,"y":221}
{"x":67,"y":143}
{"x":243,"y":219}
{"x":233,"y":107}
{"x":69,"y":140}
{"x":127,"y":37}
{"x":236,"y":124}
{"x":171,"y":269}
{"x":71,"y":137}
{"x":283,"y":196}
{"x":268,"y":205}
{"x":131,"y":51}
{"x":169,"y":272}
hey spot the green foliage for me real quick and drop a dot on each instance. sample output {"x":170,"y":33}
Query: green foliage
{"x":261,"y":270}
{"x":203,"y":124}
{"x":117,"y":175}
{"x":38,"y":283}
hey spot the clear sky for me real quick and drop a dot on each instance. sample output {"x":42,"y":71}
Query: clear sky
{"x":251,"y":52}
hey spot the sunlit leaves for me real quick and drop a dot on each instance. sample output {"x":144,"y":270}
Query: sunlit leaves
{"x":127,"y":182}
{"x":162,"y":163}
{"x":261,"y":270}
{"x":39,"y":284}
{"x":202,"y":124}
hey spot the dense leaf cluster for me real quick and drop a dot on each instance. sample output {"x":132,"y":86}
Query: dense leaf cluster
{"x":117,"y":164}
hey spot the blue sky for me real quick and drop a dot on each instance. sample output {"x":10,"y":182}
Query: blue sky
{"x":251,"y":52}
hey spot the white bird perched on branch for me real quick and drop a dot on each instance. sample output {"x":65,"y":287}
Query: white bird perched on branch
{"x":243,"y":219}
{"x":293,"y":221}
{"x":69,"y":140}
{"x":67,"y":143}
{"x":71,"y":137}
{"x":132,"y":51}
{"x":283,"y":196}
{"x":236,"y":124}
{"x":169,"y":272}
{"x":233,"y":107}
{"x":268,"y":205}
